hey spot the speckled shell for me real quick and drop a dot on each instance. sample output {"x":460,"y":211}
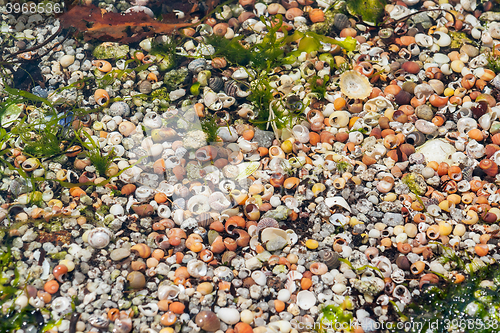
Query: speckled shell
{"x":119,"y":109}
{"x":197,"y":65}
{"x":236,"y":89}
{"x":331,"y":259}
{"x":341,"y":21}
{"x":224,"y":273}
{"x":204,"y":220}
{"x":216,"y":83}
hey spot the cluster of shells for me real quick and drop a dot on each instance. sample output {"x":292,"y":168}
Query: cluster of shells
{"x":355,"y":205}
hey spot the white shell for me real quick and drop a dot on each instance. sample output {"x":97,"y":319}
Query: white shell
{"x":293,"y":238}
{"x":306,"y":299}
{"x":115,"y":138}
{"x":152,"y":120}
{"x":116,"y":209}
{"x":149,"y":310}
{"x":164,"y":211}
{"x":240,"y":74}
{"x":301,"y":133}
{"x":198,"y":204}
{"x":218,"y":201}
{"x":437,"y":150}
{"x":168,"y":292}
{"x":284,"y":295}
{"x":229,"y":315}
{"x":197,"y":268}
{"x":444,"y":39}
{"x":227,"y":134}
{"x":259,"y":277}
{"x":143,"y":193}
{"x":469,"y":5}
{"x":176,"y":94}
{"x":271,"y":233}
{"x":337,"y":201}
{"x":99,"y":238}
{"x":61,"y":305}
{"x":281,"y":326}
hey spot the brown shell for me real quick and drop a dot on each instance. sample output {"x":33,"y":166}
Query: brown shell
{"x":205,"y":220}
{"x":331,"y":259}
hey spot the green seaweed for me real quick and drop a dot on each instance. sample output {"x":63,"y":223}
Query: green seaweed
{"x":210,"y":127}
{"x":343,"y":166}
{"x":100,"y":161}
{"x":12,"y":318}
{"x":42,"y":139}
{"x":371,"y":11}
{"x":231,"y":49}
{"x":333,"y":317}
{"x":166,"y":53}
{"x":472,"y":306}
{"x":318,"y":85}
{"x":493,"y":62}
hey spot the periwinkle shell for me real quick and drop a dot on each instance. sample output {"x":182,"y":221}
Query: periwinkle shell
{"x":197,"y":65}
{"x":331,"y":259}
{"x":136,"y":279}
{"x":216,"y":83}
{"x":207,"y":321}
{"x":341,"y":21}
{"x":119,"y":109}
{"x":236,"y":89}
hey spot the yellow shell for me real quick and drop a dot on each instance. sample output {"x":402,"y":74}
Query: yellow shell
{"x":312,"y":244}
{"x":318,"y":188}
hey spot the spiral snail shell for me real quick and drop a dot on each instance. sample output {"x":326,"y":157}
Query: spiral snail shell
{"x":331,"y":259}
{"x":99,"y":238}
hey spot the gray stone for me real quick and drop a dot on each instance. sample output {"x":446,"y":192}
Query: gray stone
{"x":264,"y":138}
{"x":393,"y":219}
{"x":119,"y":254}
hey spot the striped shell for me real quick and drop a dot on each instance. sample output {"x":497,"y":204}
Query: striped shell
{"x":341,"y":21}
{"x":467,"y":173}
{"x":267,"y":222}
{"x":236,"y":89}
{"x":331,"y":259}
{"x":197,"y":65}
{"x":205,"y":220}
{"x":216,"y":83}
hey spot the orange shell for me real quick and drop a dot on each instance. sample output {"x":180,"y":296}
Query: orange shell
{"x":443,"y":169}
{"x":317,"y":15}
{"x":305,"y":283}
{"x":177,"y":307}
{"x":128,"y":189}
{"x":51,"y":286}
{"x":489,"y":167}
{"x":279,"y":305}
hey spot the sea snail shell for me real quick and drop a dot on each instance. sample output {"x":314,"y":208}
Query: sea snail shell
{"x":207,"y":321}
{"x":99,"y":238}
